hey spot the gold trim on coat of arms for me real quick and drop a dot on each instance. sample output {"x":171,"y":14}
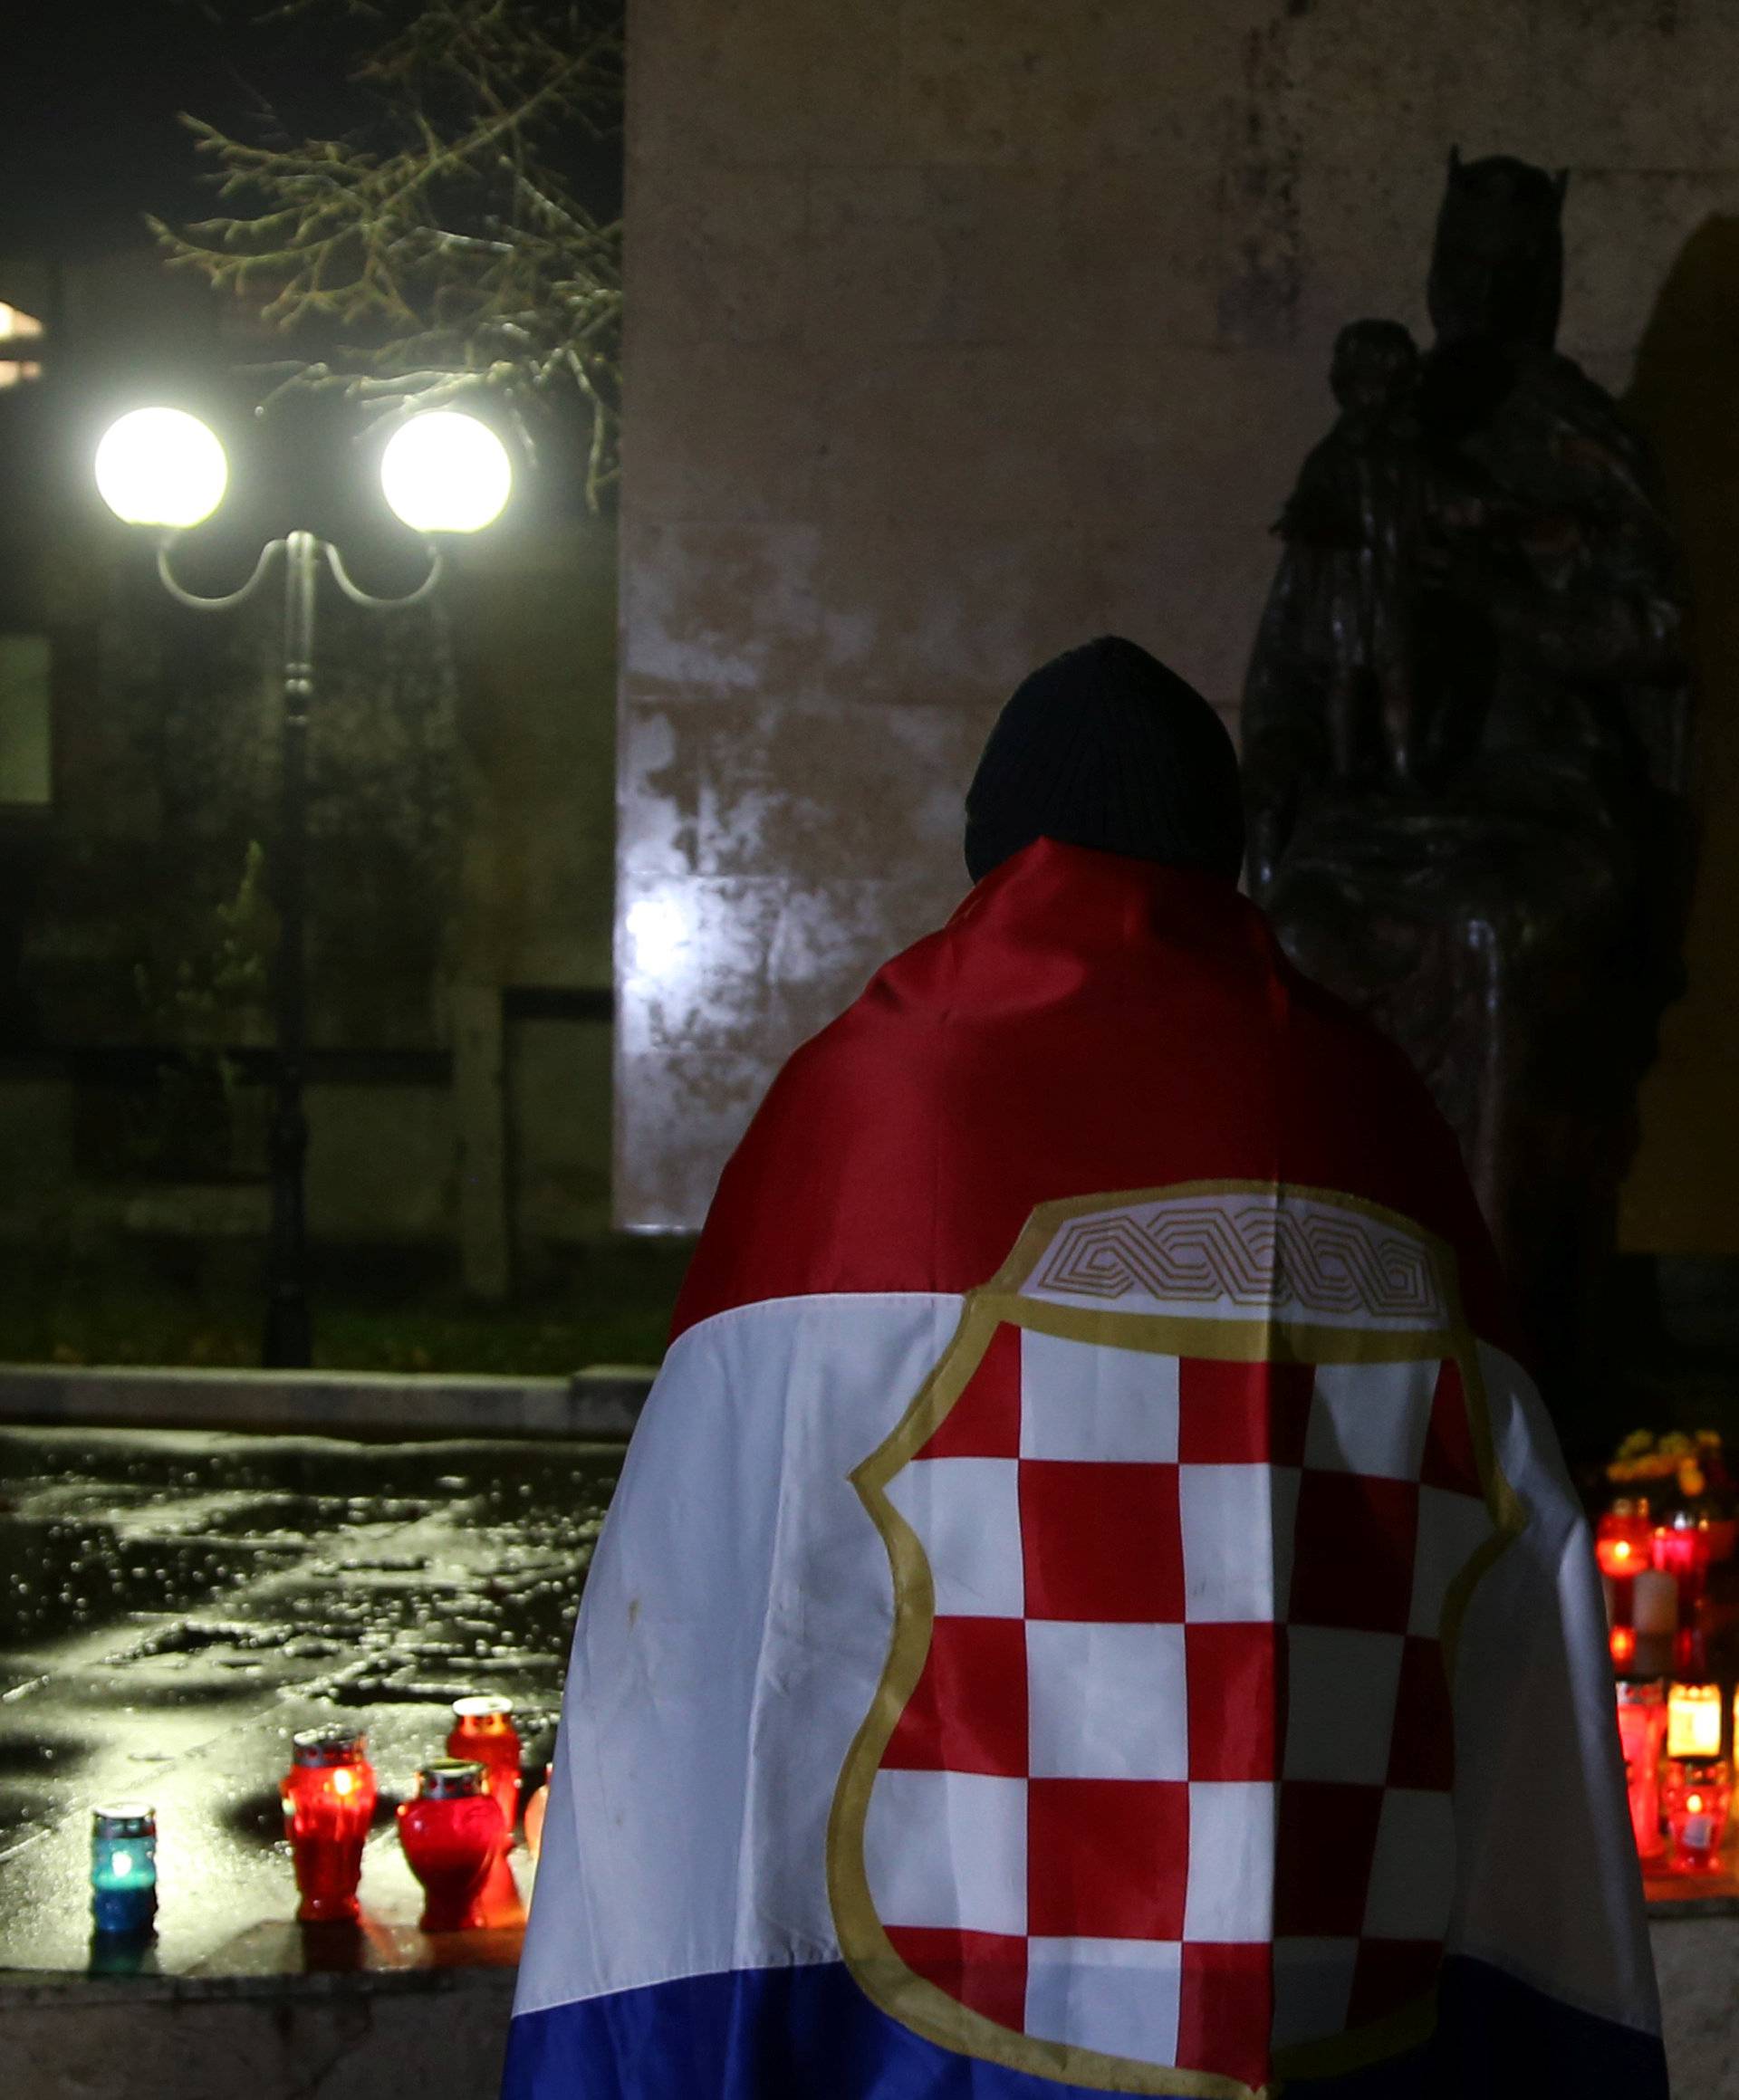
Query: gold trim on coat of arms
{"x":868,"y":1953}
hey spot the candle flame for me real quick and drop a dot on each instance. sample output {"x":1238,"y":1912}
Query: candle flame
{"x":1694,"y":1802}
{"x":124,"y":1863}
{"x":1621,"y":1549}
{"x":343,"y":1781}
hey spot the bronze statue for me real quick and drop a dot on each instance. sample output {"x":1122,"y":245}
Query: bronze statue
{"x":1466,"y":737}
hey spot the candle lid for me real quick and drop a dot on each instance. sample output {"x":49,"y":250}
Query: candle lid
{"x":450,"y":1778}
{"x":483,"y":1706}
{"x":332,"y":1745}
{"x":124,"y":1820}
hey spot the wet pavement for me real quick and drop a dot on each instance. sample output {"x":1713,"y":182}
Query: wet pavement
{"x":176,"y":1602}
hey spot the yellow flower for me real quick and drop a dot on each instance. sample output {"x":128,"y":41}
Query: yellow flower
{"x":1691,"y":1483}
{"x":1639,"y":1441}
{"x":1677,"y":1442}
{"x":1708,"y":1439}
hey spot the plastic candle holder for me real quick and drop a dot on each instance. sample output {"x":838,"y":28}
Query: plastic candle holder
{"x":1696,"y":1796}
{"x":123,"y":1867}
{"x":1654,"y":1619}
{"x":328,"y":1795}
{"x":1693,"y":1722}
{"x":453,"y":1834}
{"x":1721,"y":1535}
{"x":1681,"y":1549}
{"x":1642,"y":1733}
{"x":483,"y":1733}
{"x":1624,"y":1540}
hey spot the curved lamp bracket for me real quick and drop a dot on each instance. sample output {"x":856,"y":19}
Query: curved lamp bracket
{"x":200,"y":604}
{"x":268,"y":554}
{"x":358,"y":596}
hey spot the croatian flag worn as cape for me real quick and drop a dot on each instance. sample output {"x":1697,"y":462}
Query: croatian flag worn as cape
{"x":1093,"y":1604}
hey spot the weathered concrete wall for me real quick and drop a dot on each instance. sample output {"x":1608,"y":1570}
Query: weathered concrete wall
{"x":444,"y":2034}
{"x":962,"y":329}
{"x":440,"y":2035}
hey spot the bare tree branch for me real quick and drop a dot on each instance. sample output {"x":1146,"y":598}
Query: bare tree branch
{"x":439,"y":250}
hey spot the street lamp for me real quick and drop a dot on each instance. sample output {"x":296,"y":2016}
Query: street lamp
{"x":441,"y":471}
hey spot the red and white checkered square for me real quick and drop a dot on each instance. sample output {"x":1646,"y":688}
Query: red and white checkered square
{"x":1173,"y":1783}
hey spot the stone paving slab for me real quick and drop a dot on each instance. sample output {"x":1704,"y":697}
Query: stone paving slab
{"x":181,"y":1599}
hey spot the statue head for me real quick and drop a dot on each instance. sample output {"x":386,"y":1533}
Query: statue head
{"x":1497,"y":263}
{"x":1375,"y":369}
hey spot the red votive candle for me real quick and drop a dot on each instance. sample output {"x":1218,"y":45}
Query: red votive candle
{"x":1623,"y":1540}
{"x":1696,"y":1798}
{"x":453,"y":1834}
{"x":1681,"y":1549}
{"x":1654,"y":1619}
{"x":1642,"y":1733}
{"x":484,"y":1732}
{"x":328,"y":1798}
{"x":1694,"y":1720}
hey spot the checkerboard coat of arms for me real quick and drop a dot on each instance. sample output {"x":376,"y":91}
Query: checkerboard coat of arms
{"x":1155,"y":1792}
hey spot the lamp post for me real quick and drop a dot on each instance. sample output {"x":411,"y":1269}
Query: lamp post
{"x":441,"y":471}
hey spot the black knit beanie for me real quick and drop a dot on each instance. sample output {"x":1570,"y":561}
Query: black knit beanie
{"x":1104,"y":747}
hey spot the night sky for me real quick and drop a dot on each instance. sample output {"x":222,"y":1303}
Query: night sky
{"x":88,"y":103}
{"x":88,"y":113}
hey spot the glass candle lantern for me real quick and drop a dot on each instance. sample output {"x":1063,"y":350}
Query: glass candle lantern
{"x":1681,"y":1549}
{"x":453,"y":1834}
{"x":1694,"y":1799}
{"x":1720,"y":1535}
{"x":1654,"y":1619}
{"x":482,"y":1730}
{"x":328,"y":1795}
{"x":1642,"y":1733}
{"x":123,"y":1867}
{"x":1693,"y":1722}
{"x":1624,"y":1540}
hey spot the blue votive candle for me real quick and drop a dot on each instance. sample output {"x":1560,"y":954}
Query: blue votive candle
{"x":123,"y":1867}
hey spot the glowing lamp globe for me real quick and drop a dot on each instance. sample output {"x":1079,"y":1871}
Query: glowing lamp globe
{"x":162,"y":466}
{"x":444,"y":472}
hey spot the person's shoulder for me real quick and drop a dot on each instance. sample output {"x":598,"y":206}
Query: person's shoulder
{"x":844,"y":1100}
{"x":898,"y":1008}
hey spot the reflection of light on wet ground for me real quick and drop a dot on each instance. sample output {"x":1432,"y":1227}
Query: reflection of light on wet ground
{"x":178,"y":1601}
